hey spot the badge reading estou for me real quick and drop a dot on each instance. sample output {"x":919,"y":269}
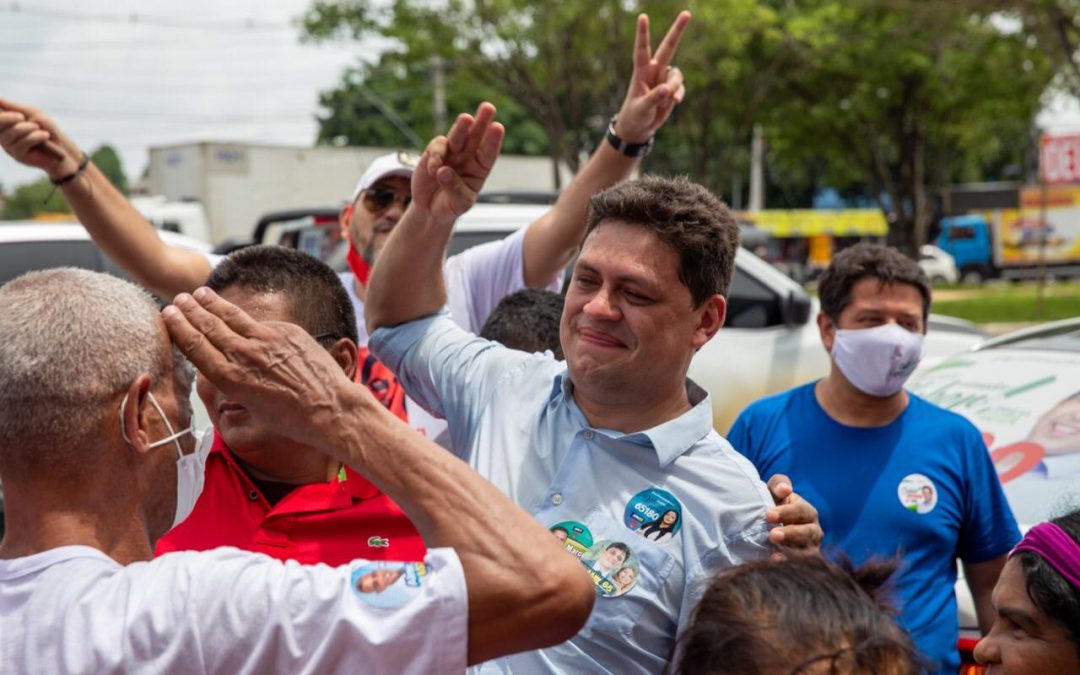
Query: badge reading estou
{"x":654,"y":514}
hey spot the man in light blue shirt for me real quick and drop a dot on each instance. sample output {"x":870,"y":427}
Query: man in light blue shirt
{"x":611,"y":440}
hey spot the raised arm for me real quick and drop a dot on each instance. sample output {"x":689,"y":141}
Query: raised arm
{"x":655,"y":88}
{"x":524,"y":592}
{"x":445,"y":183}
{"x":31,"y":138}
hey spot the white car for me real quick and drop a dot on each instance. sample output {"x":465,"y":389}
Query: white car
{"x":1022,"y":391}
{"x":938,"y":265}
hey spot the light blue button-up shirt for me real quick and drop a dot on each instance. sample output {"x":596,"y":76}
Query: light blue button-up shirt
{"x":513,"y":418}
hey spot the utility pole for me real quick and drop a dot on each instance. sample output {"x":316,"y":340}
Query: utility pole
{"x":439,"y":81}
{"x":757,"y":170}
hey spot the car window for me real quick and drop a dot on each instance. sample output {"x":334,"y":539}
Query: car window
{"x":461,"y":241}
{"x":19,"y":257}
{"x":751,"y":304}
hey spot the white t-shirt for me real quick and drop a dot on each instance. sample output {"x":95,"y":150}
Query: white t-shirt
{"x":75,"y":610}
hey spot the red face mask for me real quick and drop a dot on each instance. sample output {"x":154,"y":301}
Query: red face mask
{"x":357,"y":265}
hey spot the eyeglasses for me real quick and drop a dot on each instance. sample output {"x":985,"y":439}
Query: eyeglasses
{"x":377,"y":199}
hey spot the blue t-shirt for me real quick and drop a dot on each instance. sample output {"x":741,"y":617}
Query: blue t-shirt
{"x":922,"y":486}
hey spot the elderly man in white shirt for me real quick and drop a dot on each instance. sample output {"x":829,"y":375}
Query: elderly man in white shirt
{"x":99,"y":460}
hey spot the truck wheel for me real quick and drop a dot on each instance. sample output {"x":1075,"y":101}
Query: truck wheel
{"x":972,"y":275}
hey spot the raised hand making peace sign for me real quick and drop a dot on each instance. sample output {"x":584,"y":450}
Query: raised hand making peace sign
{"x":656,"y":86}
{"x":454,"y":167}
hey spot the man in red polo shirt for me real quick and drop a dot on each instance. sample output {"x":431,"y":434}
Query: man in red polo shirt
{"x":263,"y":492}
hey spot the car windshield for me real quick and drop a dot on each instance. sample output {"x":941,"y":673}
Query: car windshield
{"x":1064,"y":337}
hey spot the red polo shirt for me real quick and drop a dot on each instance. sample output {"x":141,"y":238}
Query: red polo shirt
{"x":334,"y":522}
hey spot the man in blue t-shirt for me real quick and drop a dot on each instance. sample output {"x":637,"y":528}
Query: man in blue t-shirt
{"x":890,"y":473}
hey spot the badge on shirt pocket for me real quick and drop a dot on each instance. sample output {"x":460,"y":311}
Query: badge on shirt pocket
{"x":575,"y":537}
{"x":388,"y":584}
{"x":623,"y":595}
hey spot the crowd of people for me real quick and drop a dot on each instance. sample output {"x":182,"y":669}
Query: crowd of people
{"x":578,"y":512}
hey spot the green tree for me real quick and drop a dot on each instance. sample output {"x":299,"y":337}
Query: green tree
{"x":391,"y":103}
{"x":33,"y":198}
{"x":108,"y":162}
{"x":905,"y":97}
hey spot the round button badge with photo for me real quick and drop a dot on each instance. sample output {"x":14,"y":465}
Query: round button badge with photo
{"x":613,"y":566}
{"x":917,"y":493}
{"x":575,"y":537}
{"x":654,"y":514}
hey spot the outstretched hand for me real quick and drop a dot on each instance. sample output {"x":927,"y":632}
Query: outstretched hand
{"x":656,"y":86}
{"x":454,"y":167}
{"x":31,"y":138}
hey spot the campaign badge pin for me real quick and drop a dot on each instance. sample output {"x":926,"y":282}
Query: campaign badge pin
{"x":917,"y":493}
{"x":654,"y":514}
{"x":388,"y":584}
{"x":613,"y":566}
{"x":575,"y":537}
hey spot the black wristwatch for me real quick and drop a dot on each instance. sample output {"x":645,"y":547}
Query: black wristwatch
{"x":628,"y":149}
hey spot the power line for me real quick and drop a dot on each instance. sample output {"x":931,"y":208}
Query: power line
{"x":158,"y":116}
{"x":240,"y":84}
{"x":137,"y":18}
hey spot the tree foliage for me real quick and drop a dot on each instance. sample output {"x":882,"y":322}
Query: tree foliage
{"x":108,"y":162}
{"x":30,"y":199}
{"x":890,"y":99}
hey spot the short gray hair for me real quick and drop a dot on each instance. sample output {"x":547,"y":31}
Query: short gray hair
{"x":71,"y":341}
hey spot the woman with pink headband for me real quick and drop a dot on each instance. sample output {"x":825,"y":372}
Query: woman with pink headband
{"x":1037,"y":600}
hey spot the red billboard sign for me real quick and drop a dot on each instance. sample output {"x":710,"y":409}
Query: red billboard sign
{"x":1059,"y":160}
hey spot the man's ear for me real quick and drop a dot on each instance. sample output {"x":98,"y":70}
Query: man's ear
{"x":344,"y":217}
{"x":345,"y":352}
{"x":134,"y":419}
{"x":712,"y":314}
{"x":827,"y":329}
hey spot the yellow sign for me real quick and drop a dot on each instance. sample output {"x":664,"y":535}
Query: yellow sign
{"x":813,"y":222}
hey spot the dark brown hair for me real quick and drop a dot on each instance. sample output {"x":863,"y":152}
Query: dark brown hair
{"x":790,"y":616}
{"x":685,"y":216}
{"x":861,"y":261}
{"x":316,"y":299}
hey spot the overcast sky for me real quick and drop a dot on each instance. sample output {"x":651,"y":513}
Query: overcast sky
{"x":180,"y":71}
{"x":151,"y":72}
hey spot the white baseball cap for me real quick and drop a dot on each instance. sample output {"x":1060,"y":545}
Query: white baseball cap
{"x":394,"y":164}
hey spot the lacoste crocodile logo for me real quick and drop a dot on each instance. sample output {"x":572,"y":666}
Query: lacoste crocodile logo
{"x":378,"y":542}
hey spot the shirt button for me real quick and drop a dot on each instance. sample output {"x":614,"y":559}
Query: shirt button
{"x":588,"y":434}
{"x":556,"y":499}
{"x":253,"y":495}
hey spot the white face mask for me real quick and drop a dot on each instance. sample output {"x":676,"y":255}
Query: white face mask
{"x":877,"y":360}
{"x":189,"y":468}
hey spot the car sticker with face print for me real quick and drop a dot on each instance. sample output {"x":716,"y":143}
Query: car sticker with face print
{"x":654,"y":514}
{"x":388,"y":584}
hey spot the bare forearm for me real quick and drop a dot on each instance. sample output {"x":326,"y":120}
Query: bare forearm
{"x":981,"y":578}
{"x":129,"y":240}
{"x":407,"y":281}
{"x":524,"y":590}
{"x":551,"y":241}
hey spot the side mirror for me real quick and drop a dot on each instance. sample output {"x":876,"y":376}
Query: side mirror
{"x":795,"y":308}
